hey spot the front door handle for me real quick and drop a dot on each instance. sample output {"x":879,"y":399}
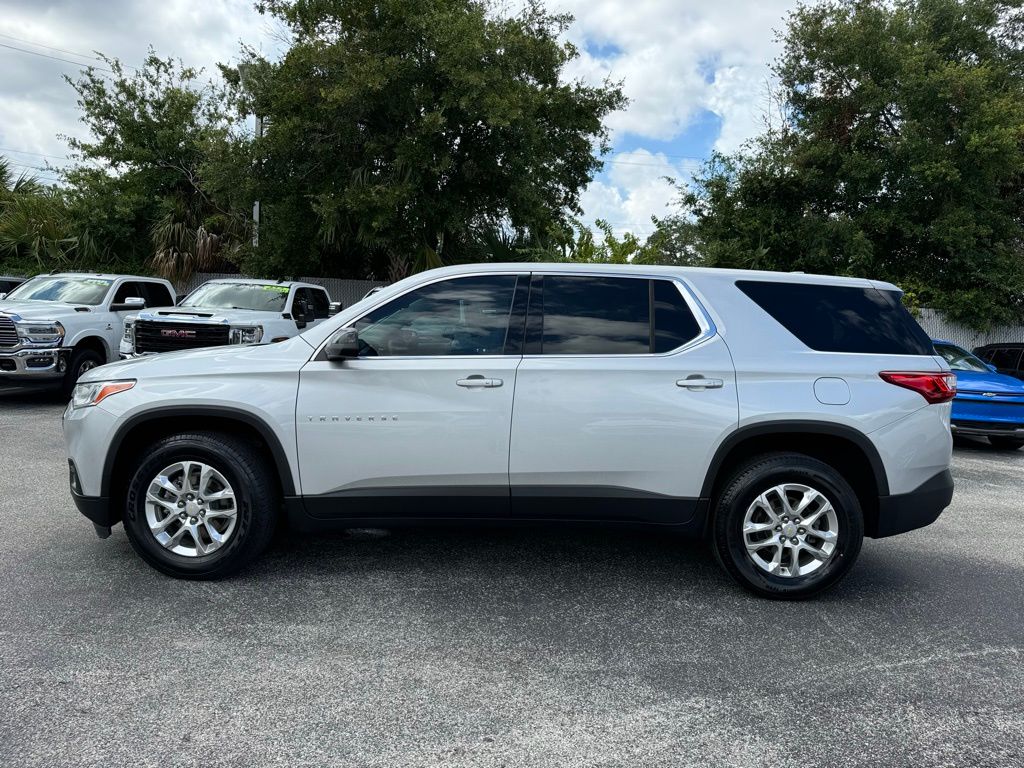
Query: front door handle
{"x":700,"y":383}
{"x":479,"y":382}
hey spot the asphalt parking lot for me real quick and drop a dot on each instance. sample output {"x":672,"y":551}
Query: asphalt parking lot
{"x":503,"y":648}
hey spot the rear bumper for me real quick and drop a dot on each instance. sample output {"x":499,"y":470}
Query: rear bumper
{"x":920,"y":507}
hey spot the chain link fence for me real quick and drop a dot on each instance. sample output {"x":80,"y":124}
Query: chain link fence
{"x":938,"y":327}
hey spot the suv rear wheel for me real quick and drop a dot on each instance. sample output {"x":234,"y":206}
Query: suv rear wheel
{"x":787,"y":526}
{"x":201,"y":505}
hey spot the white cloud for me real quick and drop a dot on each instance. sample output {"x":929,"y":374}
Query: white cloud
{"x":678,"y":59}
{"x":634,"y":188}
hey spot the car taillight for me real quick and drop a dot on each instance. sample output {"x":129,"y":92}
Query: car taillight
{"x":933,"y":387}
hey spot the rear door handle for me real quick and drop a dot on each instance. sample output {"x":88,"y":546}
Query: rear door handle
{"x":700,"y":383}
{"x":479,"y":382}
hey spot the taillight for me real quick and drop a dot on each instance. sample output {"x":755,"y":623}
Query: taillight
{"x":933,"y":387}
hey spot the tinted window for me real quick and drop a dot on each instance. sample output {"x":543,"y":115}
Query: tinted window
{"x":269,"y":297}
{"x":674,"y":323}
{"x":89,"y":291}
{"x":157,"y":295}
{"x":129,"y":290}
{"x":464,"y":316}
{"x":831,"y":318}
{"x":321,"y":303}
{"x":596,"y":316}
{"x":1007,"y":358}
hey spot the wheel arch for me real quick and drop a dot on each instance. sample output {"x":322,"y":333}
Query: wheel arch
{"x":93,"y":342}
{"x":846,"y":449}
{"x":148,"y":426}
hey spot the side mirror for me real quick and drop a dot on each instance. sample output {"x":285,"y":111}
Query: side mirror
{"x":335,"y":308}
{"x":130,"y":303}
{"x":344,"y":345}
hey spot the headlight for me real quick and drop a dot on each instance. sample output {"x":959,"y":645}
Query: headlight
{"x":129,"y":330}
{"x":40,"y":332}
{"x":96,"y":392}
{"x":251,"y":334}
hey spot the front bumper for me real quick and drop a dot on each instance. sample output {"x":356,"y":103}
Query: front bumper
{"x":33,"y":364}
{"x":988,"y":429}
{"x":907,"y":511}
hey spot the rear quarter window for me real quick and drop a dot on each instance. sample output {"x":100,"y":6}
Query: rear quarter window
{"x":832,"y":318}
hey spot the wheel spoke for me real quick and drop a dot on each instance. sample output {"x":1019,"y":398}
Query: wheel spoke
{"x":174,"y":539}
{"x":829,"y":537}
{"x":164,"y":524}
{"x":817,"y":554}
{"x":754,"y":546}
{"x":794,"y":563}
{"x":757,"y":527}
{"x":165,"y":484}
{"x":809,"y":498}
{"x":168,"y":504}
{"x":230,"y":512}
{"x":762,"y":503}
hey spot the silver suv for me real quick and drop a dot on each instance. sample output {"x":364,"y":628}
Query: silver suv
{"x":782,"y":416}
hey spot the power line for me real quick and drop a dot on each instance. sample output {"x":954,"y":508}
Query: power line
{"x":39,"y":154}
{"x":55,"y":58}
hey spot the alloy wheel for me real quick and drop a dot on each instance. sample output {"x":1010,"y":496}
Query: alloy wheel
{"x":790,"y":530}
{"x":191,"y":508}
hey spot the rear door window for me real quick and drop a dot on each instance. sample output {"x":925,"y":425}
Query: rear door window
{"x":596,"y":316}
{"x":834,"y":318}
{"x":599,"y":315}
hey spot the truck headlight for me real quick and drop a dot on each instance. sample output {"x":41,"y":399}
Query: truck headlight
{"x":250,"y":334}
{"x":42,"y":333}
{"x":129,"y":330}
{"x":95,"y":392}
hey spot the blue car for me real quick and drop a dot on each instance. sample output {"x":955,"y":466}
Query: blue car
{"x":988,"y":404}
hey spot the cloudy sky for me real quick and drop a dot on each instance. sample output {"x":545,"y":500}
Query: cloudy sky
{"x":695,"y":71}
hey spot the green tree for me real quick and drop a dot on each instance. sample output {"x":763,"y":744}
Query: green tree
{"x":137,"y":187}
{"x":34,"y":227}
{"x":403,"y":131}
{"x":897,"y":153}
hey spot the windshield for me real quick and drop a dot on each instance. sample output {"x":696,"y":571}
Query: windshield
{"x":961,"y":359}
{"x":268,"y":298}
{"x":89,"y":291}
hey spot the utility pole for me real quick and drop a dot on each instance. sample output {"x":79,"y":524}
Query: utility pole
{"x":256,"y":204}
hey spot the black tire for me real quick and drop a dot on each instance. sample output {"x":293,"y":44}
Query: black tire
{"x":1005,"y":443}
{"x":758,"y":475}
{"x":81,"y":361}
{"x":257,"y":502}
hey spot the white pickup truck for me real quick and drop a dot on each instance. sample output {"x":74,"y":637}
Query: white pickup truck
{"x":54,"y":328}
{"x":228,"y":311}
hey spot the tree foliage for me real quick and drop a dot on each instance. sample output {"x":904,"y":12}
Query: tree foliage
{"x":898,"y":154}
{"x":137,"y":185}
{"x":407,"y":130}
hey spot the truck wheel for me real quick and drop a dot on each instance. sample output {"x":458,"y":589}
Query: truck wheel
{"x":82,"y":360}
{"x":201,"y":505}
{"x":787,"y":526}
{"x":1005,"y":443}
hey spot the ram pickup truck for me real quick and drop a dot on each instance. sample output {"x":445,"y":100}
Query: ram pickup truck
{"x":54,"y":328}
{"x":228,"y":311}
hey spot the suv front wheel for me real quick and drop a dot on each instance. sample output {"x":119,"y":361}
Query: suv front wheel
{"x":201,"y":505}
{"x":787,"y":526}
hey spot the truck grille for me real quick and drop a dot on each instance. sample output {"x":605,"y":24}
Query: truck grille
{"x":168,"y":337}
{"x":8,"y":334}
